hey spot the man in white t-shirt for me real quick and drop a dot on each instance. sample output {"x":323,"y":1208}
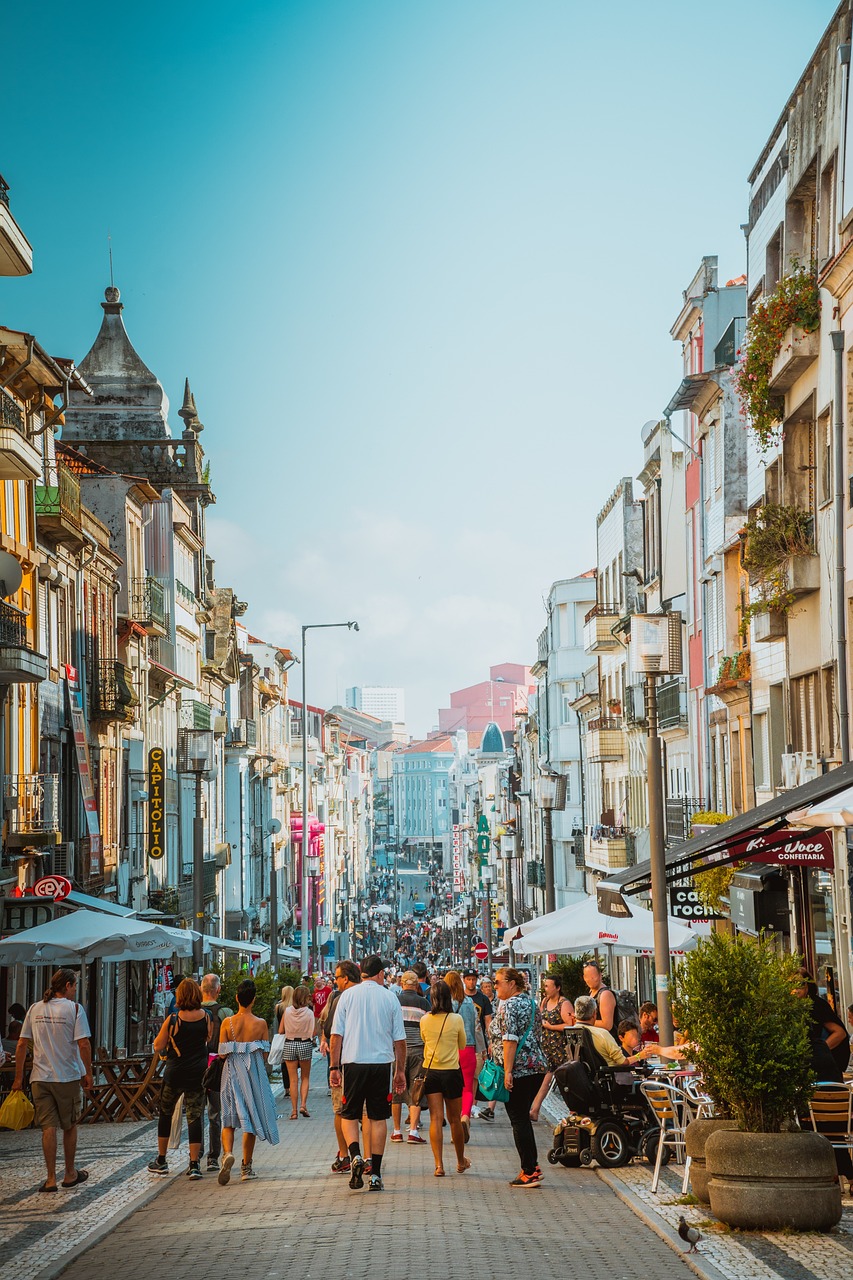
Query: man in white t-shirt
{"x":368,"y":1041}
{"x":57,"y":1031}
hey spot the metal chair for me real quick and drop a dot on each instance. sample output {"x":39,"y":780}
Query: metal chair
{"x":672,"y":1112}
{"x":831,"y":1113}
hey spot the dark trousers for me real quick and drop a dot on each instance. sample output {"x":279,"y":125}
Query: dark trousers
{"x":524,"y":1090}
{"x":214,"y":1122}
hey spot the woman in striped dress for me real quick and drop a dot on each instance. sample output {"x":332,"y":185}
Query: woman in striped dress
{"x":247,"y":1101}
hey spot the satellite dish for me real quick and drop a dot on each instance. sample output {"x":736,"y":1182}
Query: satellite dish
{"x":11,"y":574}
{"x":273,"y":826}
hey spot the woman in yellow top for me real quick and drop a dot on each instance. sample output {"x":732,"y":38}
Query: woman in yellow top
{"x":443,"y":1034}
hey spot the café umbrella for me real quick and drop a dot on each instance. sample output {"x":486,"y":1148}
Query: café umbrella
{"x":82,"y":936}
{"x":583,"y":928}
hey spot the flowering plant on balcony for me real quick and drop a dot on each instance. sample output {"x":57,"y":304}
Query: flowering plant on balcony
{"x":734,"y":667}
{"x":773,"y":534}
{"x":794,"y":303}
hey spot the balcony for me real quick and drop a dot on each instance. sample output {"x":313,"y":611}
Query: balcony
{"x":679,"y":816}
{"x":243,"y":733}
{"x":802,"y":574}
{"x":58,"y":510}
{"x":32,"y":808}
{"x":769,"y":626}
{"x":19,"y":458}
{"x":672,"y":704}
{"x":733,"y":678}
{"x":610,"y":848}
{"x":148,"y":604}
{"x":19,"y":664}
{"x":115,"y":696}
{"x":16,"y":255}
{"x":605,"y":741}
{"x":598,"y":627}
{"x":797,"y":352}
{"x":540,"y":666}
{"x":196,"y":714}
{"x":635,"y":704}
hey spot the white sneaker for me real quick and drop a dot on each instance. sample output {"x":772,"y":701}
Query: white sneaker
{"x":475,"y":1112}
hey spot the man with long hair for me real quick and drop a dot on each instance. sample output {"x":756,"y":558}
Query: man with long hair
{"x":57,"y":1031}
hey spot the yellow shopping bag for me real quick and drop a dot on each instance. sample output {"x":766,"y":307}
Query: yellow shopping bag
{"x":17,"y":1111}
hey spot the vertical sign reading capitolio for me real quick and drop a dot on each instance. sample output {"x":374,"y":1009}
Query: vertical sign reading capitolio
{"x":156,"y":775}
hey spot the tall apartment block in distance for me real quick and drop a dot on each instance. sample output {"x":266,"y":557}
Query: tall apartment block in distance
{"x":378,"y":700}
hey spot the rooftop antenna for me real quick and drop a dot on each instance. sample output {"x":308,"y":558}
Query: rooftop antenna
{"x":110,"y":250}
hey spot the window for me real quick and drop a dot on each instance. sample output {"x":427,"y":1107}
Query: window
{"x":773,"y":260}
{"x":827,"y":214}
{"x":805,"y":713}
{"x":824,"y":458}
{"x":760,"y":750}
{"x":830,"y":712}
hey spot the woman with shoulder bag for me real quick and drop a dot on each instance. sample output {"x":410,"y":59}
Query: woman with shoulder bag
{"x":443,"y":1034}
{"x":183,"y":1040}
{"x":298,"y":1025}
{"x":467,"y":1010}
{"x":515,"y":1047}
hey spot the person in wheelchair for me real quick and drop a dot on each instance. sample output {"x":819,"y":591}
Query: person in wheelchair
{"x":605,"y":1046}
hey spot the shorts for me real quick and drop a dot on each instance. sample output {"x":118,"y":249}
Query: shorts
{"x":58,"y":1103}
{"x":366,"y":1085}
{"x":297,"y":1051}
{"x":414,"y":1062}
{"x":449,"y":1083}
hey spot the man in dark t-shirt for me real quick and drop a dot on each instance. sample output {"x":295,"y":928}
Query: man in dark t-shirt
{"x":414,"y":1007}
{"x":484,"y":1005}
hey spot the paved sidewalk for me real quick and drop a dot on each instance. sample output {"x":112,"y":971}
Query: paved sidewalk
{"x":285,"y":1223}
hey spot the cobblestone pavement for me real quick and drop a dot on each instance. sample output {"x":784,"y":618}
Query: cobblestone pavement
{"x":125,"y":1222}
{"x":286,"y":1222}
{"x":772,"y":1255}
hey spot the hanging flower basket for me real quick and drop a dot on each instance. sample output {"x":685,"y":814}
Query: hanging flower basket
{"x":794,"y":304}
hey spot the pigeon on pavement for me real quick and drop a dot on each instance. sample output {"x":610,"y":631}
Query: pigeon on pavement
{"x":691,"y":1235}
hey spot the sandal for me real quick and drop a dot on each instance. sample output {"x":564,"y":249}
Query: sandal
{"x":80,"y":1176}
{"x":439,"y":1173}
{"x":306,"y":1114}
{"x":294,"y":1115}
{"x":466,"y":1164}
{"x":45,"y":1187}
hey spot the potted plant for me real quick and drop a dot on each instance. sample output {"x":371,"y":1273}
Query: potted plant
{"x":750,"y":1041}
{"x":773,"y":536}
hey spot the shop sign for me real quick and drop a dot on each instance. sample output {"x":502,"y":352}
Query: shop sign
{"x":685,"y":904}
{"x":787,"y":848}
{"x":156,"y":802}
{"x":56,"y":887}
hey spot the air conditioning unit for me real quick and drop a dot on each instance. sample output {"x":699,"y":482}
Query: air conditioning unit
{"x":223,"y":855}
{"x":798,"y":768}
{"x":220,"y":725}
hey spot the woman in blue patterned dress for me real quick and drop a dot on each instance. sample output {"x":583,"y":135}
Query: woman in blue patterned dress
{"x":515,"y":1045}
{"x":247,"y":1101}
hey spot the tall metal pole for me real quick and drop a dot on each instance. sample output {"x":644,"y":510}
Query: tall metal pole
{"x":303,"y":873}
{"x":273,"y":906}
{"x":548,"y":854}
{"x":837,"y":336}
{"x":658,"y":866}
{"x":198,"y":879}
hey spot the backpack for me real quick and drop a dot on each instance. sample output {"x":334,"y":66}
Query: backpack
{"x":626,"y":1010}
{"x":212,"y":1011}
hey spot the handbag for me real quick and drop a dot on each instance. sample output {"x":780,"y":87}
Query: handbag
{"x":416,"y":1092}
{"x":17,"y":1111}
{"x":491,"y":1079}
{"x":212,"y":1078}
{"x":276,"y":1050}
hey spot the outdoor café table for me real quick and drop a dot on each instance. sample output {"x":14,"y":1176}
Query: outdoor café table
{"x":124,"y":1089}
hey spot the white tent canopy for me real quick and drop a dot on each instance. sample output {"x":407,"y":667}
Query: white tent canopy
{"x":90,"y":935}
{"x":834,"y":811}
{"x":582,"y":927}
{"x":260,"y":949}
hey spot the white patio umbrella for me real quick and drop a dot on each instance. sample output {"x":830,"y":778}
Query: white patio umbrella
{"x":90,"y":935}
{"x":582,"y":927}
{"x":260,"y":949}
{"x":835,"y":811}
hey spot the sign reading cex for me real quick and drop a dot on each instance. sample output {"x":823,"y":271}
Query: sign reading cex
{"x":156,"y":802}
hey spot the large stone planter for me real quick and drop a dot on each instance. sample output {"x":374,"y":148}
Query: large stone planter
{"x":696,"y":1135}
{"x":773,"y":1181}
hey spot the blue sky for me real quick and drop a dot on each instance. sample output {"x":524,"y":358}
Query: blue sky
{"x":419,"y":261}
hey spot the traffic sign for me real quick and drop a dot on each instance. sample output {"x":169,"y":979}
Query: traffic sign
{"x":481,"y":951}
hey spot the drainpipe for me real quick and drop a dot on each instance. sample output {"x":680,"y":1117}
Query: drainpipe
{"x":837,"y":338}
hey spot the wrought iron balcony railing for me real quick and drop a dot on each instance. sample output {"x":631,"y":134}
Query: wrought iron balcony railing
{"x":32,"y":803}
{"x":13,"y":627}
{"x":148,"y":601}
{"x":10,"y":414}
{"x":115,"y":694}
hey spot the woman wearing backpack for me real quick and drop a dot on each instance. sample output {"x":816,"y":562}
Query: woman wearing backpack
{"x":515,"y":1045}
{"x":183,"y":1039}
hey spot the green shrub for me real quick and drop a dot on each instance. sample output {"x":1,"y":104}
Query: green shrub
{"x":268,"y":986}
{"x":570,"y":970}
{"x":750,"y":1035}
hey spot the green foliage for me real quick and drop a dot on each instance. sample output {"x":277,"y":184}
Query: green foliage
{"x":709,"y":818}
{"x":749,"y":1033}
{"x":570,"y":970}
{"x":268,"y":986}
{"x":712,"y":886}
{"x":795,"y":303}
{"x":734,"y":667}
{"x":773,"y":533}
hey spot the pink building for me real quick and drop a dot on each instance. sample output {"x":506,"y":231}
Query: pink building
{"x":496,"y":699}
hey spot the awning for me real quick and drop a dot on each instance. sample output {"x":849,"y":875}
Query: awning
{"x":86,"y":900}
{"x":682,"y":859}
{"x":260,"y":949}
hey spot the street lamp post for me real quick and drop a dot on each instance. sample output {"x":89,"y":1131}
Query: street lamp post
{"x":552,"y":795}
{"x":197,"y":757}
{"x":303,"y":879}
